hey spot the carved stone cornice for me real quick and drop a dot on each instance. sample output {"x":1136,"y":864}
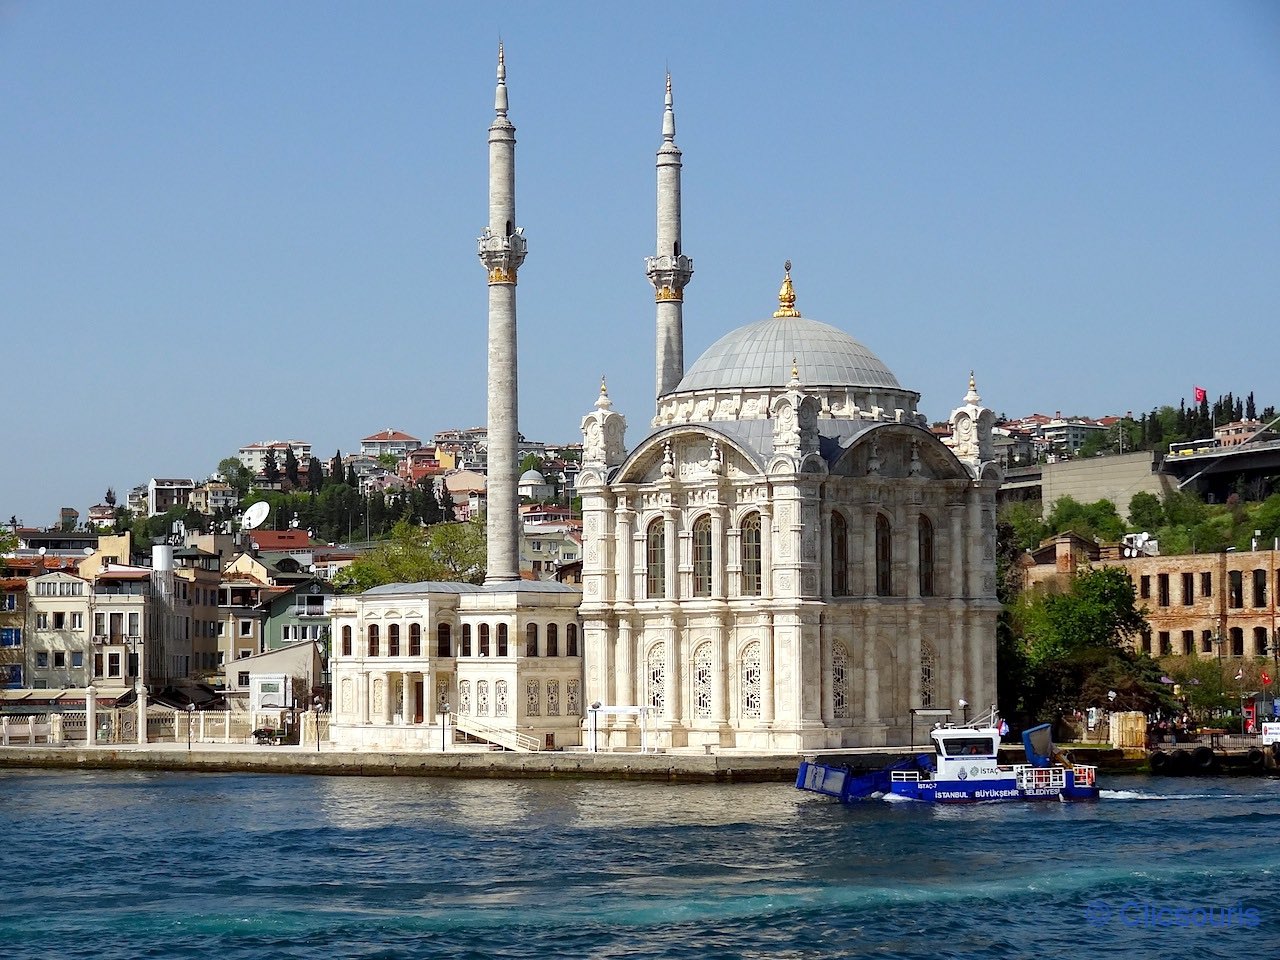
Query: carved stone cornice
{"x":502,"y":256}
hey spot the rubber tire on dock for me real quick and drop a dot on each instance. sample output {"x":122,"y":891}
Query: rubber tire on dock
{"x":1275,"y":751}
{"x":1159,"y":762}
{"x":1256,"y":759}
{"x":1180,"y":763}
{"x":1206,"y":761}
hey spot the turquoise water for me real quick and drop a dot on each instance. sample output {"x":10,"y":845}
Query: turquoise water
{"x":125,"y":865}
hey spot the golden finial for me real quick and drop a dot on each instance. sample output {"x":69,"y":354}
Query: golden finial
{"x":604,"y":387}
{"x":795,"y":369}
{"x":787,"y":296}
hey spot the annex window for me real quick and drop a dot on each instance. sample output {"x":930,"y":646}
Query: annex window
{"x":503,"y":643}
{"x":1235,"y":586}
{"x":1188,"y":589}
{"x":1260,"y":641}
{"x":484,"y":640}
{"x":750,"y":541}
{"x":655,"y":674}
{"x":1166,"y":648}
{"x":702,"y":682}
{"x":702,"y":557}
{"x":465,"y":651}
{"x":655,"y":551}
{"x":553,"y":640}
{"x":1237,"y":642}
{"x":839,"y":681}
{"x":444,"y":641}
{"x":531,"y":640}
{"x":415,"y":639}
{"x":1188,"y":642}
{"x":839,"y":555}
{"x":1144,"y":587}
{"x":924,"y":534}
{"x":346,"y":640}
{"x":752,"y":682}
{"x":1206,"y":585}
{"x":928,"y":674}
{"x":1162,"y":589}
{"x":571,"y":640}
{"x":1259,"y":588}
{"x":884,"y":557}
{"x":373,"y":639}
{"x":393,"y":640}
{"x":1206,"y":641}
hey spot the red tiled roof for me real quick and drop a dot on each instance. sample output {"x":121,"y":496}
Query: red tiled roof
{"x":280,"y":539}
{"x":390,"y":434}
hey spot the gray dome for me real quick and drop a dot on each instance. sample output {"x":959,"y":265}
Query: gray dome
{"x":532,"y":476}
{"x":760,"y":355}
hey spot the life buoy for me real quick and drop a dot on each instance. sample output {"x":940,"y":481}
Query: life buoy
{"x":1159,"y":762}
{"x":1206,"y":760}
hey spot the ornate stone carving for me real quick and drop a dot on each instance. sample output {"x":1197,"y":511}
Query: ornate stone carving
{"x":502,"y":256}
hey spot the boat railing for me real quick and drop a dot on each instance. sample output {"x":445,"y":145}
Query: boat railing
{"x":1085,"y":776}
{"x":1040,"y":778}
{"x":905,"y":776}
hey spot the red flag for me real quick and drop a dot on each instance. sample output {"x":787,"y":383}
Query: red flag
{"x":1201,"y":396}
{"x":1266,"y":679}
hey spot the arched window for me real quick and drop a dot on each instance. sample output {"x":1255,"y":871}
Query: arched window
{"x":531,"y":640}
{"x":571,"y":640}
{"x":466,"y":641}
{"x":500,"y":698}
{"x":839,"y":555}
{"x":393,"y":640}
{"x":482,"y":698}
{"x":532,"y":698}
{"x":750,"y":541}
{"x":502,"y":639}
{"x":553,"y":640}
{"x":415,"y":639}
{"x":655,"y":552}
{"x":373,"y":639}
{"x":752,"y":681}
{"x":655,"y":675}
{"x":464,"y":697}
{"x":702,"y":557}
{"x":928,"y":673}
{"x":924,"y":534}
{"x":553,"y":698}
{"x":444,"y":641}
{"x":346,"y":640}
{"x":839,"y":681}
{"x":702,"y":681}
{"x":884,"y":557}
{"x":484,"y":640}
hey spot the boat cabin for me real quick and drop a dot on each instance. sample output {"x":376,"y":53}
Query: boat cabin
{"x":966,"y":752}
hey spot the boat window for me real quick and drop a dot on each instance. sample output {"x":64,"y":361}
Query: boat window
{"x":968,"y":746}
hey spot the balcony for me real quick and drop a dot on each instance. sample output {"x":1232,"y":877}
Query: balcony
{"x":305,"y":611}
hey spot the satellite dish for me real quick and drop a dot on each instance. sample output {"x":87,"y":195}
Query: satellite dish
{"x":42,"y":551}
{"x":88,"y":551}
{"x":254,"y":516}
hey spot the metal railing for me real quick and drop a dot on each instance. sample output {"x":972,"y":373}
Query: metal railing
{"x":501,"y":736}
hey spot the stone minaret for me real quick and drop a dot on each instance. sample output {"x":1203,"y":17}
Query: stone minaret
{"x":669,"y":270}
{"x":502,"y":250}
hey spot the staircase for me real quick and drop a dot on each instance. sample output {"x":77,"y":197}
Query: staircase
{"x":503,"y":737}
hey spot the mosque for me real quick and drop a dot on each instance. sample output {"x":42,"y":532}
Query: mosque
{"x":789,"y":560}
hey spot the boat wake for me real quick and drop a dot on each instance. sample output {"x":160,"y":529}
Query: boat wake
{"x":1139,"y":795}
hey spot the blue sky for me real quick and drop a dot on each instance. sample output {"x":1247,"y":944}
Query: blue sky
{"x":234,"y":222}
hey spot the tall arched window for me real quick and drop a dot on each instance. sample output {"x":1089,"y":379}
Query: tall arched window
{"x":884,"y":557}
{"x":702,"y":682}
{"x":346,"y":640}
{"x":839,"y":555}
{"x":393,"y":640}
{"x":415,"y":639}
{"x":531,"y":640}
{"x":752,"y":681}
{"x":655,"y":554}
{"x":571,"y":640}
{"x":839,"y":681}
{"x":444,"y":641}
{"x":373,"y":639}
{"x":502,"y":639}
{"x":924,"y":534}
{"x":484,"y":640}
{"x":928,"y":674}
{"x":702,"y":557}
{"x":655,"y":675}
{"x":466,"y":641}
{"x":553,"y":640}
{"x":750,"y":541}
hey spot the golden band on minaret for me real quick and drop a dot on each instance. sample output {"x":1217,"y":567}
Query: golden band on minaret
{"x":499,"y":275}
{"x":665,"y":293}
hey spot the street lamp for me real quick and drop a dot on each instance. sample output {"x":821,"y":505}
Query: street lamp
{"x":964,"y":707}
{"x":191,"y":712}
{"x":595,"y":726}
{"x":444,"y":722}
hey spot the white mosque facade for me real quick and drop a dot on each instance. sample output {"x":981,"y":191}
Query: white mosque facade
{"x":788,"y":561}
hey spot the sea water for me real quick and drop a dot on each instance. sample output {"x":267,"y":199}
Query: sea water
{"x":127,"y":865}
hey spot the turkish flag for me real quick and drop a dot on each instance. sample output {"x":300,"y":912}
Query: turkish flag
{"x":1201,"y":396}
{"x":1266,"y":679}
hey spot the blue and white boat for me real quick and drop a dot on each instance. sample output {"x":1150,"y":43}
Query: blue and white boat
{"x":964,"y":768}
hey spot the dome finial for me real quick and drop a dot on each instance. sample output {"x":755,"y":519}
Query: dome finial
{"x":603,"y":402}
{"x":972,"y":395}
{"x":787,"y":296}
{"x":795,"y":373}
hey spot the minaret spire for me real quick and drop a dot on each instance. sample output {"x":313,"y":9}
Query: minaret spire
{"x":502,"y":250}
{"x":669,"y":270}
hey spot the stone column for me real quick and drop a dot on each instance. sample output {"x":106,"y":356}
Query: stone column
{"x":717,"y":552}
{"x":766,"y":551}
{"x":913,"y":655}
{"x":623,"y":553}
{"x":870,"y":510}
{"x":826,"y":562}
{"x":625,"y":692}
{"x":767,"y":670}
{"x":871,"y":673}
{"x":406,"y":697}
{"x":671,"y":536}
{"x":826,"y":680}
{"x":957,"y":550}
{"x":91,"y":715}
{"x":141,"y":693}
{"x":911,"y":534}
{"x":387,"y":708}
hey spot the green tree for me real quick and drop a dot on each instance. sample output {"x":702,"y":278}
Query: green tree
{"x":270,"y":466}
{"x":315,"y":475}
{"x":291,"y":467}
{"x":1095,"y":520}
{"x":336,"y":473}
{"x":530,"y":461}
{"x":110,"y":498}
{"x":236,"y":475}
{"x":388,"y":460}
{"x":447,"y":551}
{"x":1026,"y":528}
{"x":1145,"y":511}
